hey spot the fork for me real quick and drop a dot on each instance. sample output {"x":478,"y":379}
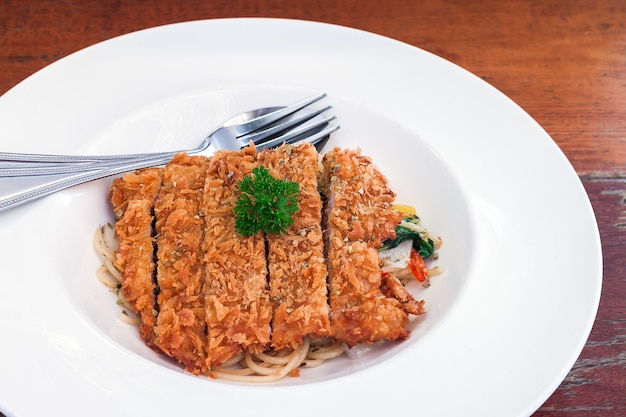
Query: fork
{"x":266,"y":128}
{"x":256,"y":125}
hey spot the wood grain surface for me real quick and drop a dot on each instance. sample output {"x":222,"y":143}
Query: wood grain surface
{"x":563,"y":61}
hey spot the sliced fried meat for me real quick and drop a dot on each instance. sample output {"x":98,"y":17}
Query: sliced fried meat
{"x":297,"y":268}
{"x":238,"y":311}
{"x":180,"y":328}
{"x":359,"y":217}
{"x":392,"y":287}
{"x":215,"y":293}
{"x":133,"y":197}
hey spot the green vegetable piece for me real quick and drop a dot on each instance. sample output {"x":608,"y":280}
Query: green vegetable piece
{"x":265,"y":203}
{"x":425,"y":247}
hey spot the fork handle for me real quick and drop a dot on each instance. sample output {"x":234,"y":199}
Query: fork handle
{"x":49,"y":159}
{"x":26,"y":164}
{"x":23,"y":168}
{"x":18,"y":191}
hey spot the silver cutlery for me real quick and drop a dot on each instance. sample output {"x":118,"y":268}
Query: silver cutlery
{"x":25,"y":177}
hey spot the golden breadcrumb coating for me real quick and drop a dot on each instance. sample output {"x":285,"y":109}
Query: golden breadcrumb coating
{"x":132,"y":197}
{"x":296,"y":258}
{"x":181,"y":325}
{"x":359,"y":218}
{"x":238,"y":311}
{"x":205,"y":293}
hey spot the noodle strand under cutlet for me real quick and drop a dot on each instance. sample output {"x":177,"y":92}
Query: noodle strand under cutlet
{"x":268,"y":373}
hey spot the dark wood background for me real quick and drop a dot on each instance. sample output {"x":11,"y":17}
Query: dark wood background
{"x":563,"y":61}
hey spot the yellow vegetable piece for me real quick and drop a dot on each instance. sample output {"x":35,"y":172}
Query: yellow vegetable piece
{"x":406,"y":211}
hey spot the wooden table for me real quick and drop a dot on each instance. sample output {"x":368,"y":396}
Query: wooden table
{"x":563,"y":61}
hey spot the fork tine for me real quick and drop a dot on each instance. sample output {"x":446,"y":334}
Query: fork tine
{"x":269,"y":118}
{"x":315,"y":138}
{"x":307,"y":133}
{"x":267,"y":134}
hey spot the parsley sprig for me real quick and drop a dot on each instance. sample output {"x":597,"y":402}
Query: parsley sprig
{"x":265,"y":203}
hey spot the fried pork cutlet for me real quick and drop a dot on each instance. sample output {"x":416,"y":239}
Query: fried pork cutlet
{"x":132,"y":197}
{"x":180,"y":328}
{"x":238,"y":311}
{"x":297,"y":268}
{"x":359,"y":218}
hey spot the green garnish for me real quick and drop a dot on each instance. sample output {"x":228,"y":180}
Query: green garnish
{"x":265,"y":203}
{"x":424,"y":246}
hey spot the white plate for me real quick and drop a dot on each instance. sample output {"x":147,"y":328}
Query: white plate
{"x":522,"y":253}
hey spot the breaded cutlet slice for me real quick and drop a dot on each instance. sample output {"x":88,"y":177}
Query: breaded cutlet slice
{"x":180,"y":328}
{"x":133,"y":197}
{"x":359,"y":217}
{"x":297,"y":268}
{"x":238,"y":311}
